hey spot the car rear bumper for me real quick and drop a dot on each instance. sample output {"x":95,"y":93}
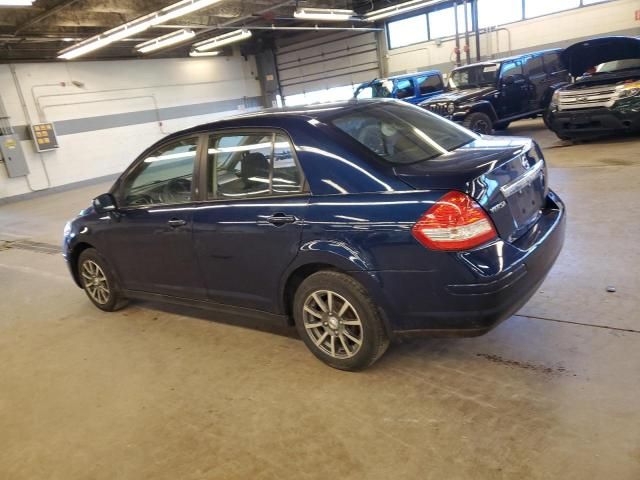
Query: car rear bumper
{"x":502,"y":278}
{"x":594,"y":121}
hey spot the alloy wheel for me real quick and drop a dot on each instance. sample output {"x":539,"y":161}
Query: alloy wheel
{"x":95,"y":282}
{"x":333,"y":324}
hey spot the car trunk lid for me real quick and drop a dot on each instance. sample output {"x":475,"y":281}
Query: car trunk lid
{"x":506,"y":176}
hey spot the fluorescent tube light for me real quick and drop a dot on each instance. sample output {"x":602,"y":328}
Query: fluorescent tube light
{"x":194,"y":53}
{"x":135,"y":26}
{"x":16,"y":3}
{"x":399,"y":8}
{"x":324,"y":14}
{"x":165,"y":40}
{"x":219,"y":41}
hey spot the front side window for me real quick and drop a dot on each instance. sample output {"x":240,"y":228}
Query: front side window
{"x":251,"y":165}
{"x":402,"y":134}
{"x":375,"y":89}
{"x":511,"y":68}
{"x":477,"y":76}
{"x":163,"y":177}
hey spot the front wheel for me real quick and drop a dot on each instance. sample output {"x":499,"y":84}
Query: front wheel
{"x":338,"y":321}
{"x":98,"y":282}
{"x":479,"y":122}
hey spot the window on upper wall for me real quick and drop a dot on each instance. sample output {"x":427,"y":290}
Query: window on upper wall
{"x":535,"y":8}
{"x":408,"y":31}
{"x":498,"y":12}
{"x":442,"y":22}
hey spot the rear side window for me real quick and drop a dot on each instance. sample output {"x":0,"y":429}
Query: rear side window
{"x":404,"y":88}
{"x":552,"y":63}
{"x":534,"y":66}
{"x":401,"y":134}
{"x":251,"y":165}
{"x":430,"y":84}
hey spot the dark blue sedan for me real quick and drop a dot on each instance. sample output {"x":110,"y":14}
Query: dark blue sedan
{"x":357,"y":221}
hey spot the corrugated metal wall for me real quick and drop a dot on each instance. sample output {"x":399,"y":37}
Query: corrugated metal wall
{"x":317,"y":61}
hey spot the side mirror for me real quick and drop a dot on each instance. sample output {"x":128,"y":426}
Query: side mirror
{"x":105,"y":203}
{"x":510,"y":80}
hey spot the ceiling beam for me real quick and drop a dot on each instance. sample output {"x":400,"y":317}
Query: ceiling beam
{"x":43,"y":15}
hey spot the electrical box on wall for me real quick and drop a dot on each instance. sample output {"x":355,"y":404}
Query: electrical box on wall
{"x":13,"y":156}
{"x":44,"y":137}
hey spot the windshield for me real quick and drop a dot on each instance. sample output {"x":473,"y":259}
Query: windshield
{"x":376,"y":89}
{"x":401,"y":133}
{"x":617,"y":65}
{"x":476,"y":76}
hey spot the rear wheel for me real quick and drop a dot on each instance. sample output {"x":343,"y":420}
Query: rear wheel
{"x":338,"y":321}
{"x":479,"y":122}
{"x":98,"y":282}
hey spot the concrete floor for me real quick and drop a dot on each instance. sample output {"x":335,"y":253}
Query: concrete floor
{"x":162,"y":392}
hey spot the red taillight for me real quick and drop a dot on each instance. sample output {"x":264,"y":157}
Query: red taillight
{"x":455,"y":222}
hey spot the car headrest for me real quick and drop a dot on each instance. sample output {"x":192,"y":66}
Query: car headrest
{"x":255,"y":165}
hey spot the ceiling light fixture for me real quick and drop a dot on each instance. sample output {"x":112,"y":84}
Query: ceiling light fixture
{"x":399,"y":8}
{"x":324,"y":14}
{"x":16,"y":3}
{"x":135,"y":26}
{"x":219,"y":41}
{"x":165,"y":40}
{"x":194,"y":53}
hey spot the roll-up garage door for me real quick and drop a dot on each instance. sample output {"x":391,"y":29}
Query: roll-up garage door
{"x":314,"y":61}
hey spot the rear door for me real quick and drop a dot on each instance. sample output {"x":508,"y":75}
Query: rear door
{"x":538,"y":81}
{"x":428,"y":86}
{"x":248,"y":230}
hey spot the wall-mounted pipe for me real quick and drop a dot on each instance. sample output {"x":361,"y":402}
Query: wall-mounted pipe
{"x":27,"y":117}
{"x":152,"y":97}
{"x":467,"y":48}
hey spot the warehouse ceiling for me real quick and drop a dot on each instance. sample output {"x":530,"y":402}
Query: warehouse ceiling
{"x":39,"y":32}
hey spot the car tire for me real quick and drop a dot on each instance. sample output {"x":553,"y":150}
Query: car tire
{"x":98,"y":281}
{"x":479,"y":122}
{"x":338,"y":321}
{"x":564,"y":137}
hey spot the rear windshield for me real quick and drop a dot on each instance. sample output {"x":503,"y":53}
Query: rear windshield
{"x":401,"y":133}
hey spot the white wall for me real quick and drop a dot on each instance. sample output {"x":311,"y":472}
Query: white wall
{"x":559,"y":29}
{"x":114,"y":87}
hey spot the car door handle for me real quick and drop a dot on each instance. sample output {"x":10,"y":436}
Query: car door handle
{"x":279,"y":219}
{"x":176,"y":222}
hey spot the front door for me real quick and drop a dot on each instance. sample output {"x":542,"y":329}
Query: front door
{"x":150,"y":241}
{"x":249,"y":230}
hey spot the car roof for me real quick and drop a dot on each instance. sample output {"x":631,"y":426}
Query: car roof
{"x":512,"y":57}
{"x":304,"y":113}
{"x":404,"y":75}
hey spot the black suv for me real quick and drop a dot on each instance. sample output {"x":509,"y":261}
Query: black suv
{"x":605,"y":96}
{"x":490,"y":95}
